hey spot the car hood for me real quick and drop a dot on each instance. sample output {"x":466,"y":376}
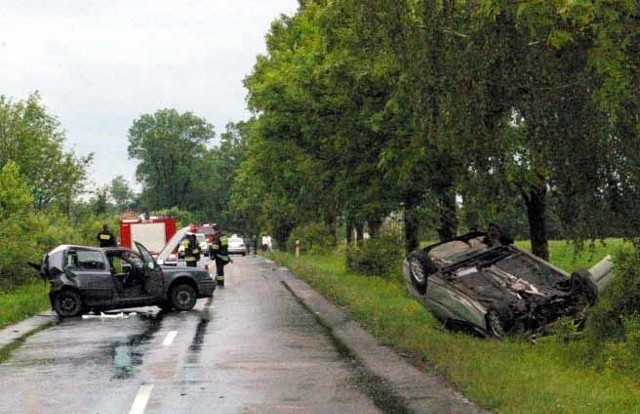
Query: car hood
{"x":171,"y":245}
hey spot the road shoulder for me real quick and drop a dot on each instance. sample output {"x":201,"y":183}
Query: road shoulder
{"x":420,"y":392}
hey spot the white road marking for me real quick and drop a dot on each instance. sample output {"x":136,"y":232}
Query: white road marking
{"x":140,"y":403}
{"x":168,"y":340}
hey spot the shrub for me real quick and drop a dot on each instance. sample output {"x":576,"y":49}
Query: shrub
{"x":620,"y":300}
{"x":622,"y":355}
{"x":381,"y":255}
{"x":314,"y":238}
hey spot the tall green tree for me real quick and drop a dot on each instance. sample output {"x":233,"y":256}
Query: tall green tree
{"x":33,"y":138}
{"x":17,"y":243}
{"x":121,"y":192}
{"x":171,"y":148}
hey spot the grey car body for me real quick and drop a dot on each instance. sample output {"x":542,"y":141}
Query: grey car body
{"x":491,"y":287}
{"x":84,"y":278}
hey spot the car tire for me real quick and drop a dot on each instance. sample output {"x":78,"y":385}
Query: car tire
{"x":495,"y":327}
{"x":182,"y":297}
{"x":420,"y":267}
{"x":67,"y":303}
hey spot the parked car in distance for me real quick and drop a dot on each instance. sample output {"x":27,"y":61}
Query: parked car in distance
{"x":236,"y":245}
{"x":481,"y":282}
{"x":83,"y":279}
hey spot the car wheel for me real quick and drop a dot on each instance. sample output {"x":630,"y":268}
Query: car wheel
{"x":67,"y":303}
{"x":494,"y":323}
{"x":182,"y":297}
{"x":420,"y":267}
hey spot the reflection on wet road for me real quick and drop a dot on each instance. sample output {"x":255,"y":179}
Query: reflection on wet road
{"x":253,"y":348}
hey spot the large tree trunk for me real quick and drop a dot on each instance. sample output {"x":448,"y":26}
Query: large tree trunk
{"x":411,"y":230}
{"x":348,"y":230}
{"x":282,"y":234}
{"x":535,"y":200}
{"x":359,"y":232}
{"x":330,"y":221}
{"x":448,"y":215}
{"x":410,"y":218}
{"x":374,"y":225}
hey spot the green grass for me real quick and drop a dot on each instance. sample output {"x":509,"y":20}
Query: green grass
{"x":23,"y":302}
{"x":509,"y":376}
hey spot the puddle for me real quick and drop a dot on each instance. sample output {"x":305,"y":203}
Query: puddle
{"x":126,"y":354}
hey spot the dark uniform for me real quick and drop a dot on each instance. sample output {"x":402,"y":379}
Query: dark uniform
{"x":191,"y":249}
{"x":106,"y":238}
{"x":219,"y":251}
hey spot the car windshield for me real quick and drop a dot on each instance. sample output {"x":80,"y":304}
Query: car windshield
{"x":200,"y":238}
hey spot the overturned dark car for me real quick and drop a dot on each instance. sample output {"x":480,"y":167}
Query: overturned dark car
{"x":84,"y":279}
{"x":482,"y":283}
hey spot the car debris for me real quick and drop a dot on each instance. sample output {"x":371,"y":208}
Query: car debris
{"x":481,"y":282}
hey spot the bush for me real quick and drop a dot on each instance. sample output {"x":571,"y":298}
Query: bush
{"x":622,"y":355}
{"x":314,"y":238}
{"x":619,"y":301}
{"x":612,"y":330}
{"x":381,"y":255}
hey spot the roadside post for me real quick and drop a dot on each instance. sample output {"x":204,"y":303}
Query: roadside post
{"x":297,"y":248}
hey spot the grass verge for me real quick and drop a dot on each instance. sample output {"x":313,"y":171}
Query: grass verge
{"x":23,"y":302}
{"x":509,"y":376}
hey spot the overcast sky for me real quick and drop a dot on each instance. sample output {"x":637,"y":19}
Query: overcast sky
{"x":100,"y":64}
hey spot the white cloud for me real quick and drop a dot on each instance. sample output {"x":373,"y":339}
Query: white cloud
{"x":99,"y":65}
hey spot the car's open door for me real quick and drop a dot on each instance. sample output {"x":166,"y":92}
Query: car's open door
{"x":154,"y":280}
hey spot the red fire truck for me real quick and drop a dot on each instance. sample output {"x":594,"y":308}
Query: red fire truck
{"x":153,"y":232}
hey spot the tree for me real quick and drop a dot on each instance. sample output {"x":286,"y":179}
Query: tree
{"x":17,"y":243}
{"x":33,"y":139}
{"x":121,"y":192}
{"x":171,"y":148}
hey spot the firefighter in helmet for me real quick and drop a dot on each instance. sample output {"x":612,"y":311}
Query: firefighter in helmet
{"x":191,"y":247}
{"x":219,"y":251}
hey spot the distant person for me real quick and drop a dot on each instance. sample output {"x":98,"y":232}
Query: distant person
{"x":266,"y":243}
{"x":254,"y":244}
{"x":105,"y":237}
{"x":219,"y":251}
{"x":191,"y":247}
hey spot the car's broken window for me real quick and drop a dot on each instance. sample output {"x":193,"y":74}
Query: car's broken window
{"x":88,"y":259}
{"x":54,"y":263}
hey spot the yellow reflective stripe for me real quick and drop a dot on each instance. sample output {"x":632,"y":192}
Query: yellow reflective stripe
{"x":105,"y":237}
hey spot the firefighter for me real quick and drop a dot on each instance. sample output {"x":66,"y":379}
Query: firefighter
{"x":191,"y":247}
{"x":105,"y":237}
{"x":219,"y":251}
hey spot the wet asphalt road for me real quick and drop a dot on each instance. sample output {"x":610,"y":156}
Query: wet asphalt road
{"x":252,"y":349}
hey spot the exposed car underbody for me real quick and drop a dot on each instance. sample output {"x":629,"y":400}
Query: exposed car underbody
{"x":493,"y":288}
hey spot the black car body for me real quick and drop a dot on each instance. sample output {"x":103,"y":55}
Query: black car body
{"x":492,"y":287}
{"x":84,"y":278}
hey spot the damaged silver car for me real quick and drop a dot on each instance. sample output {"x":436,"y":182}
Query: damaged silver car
{"x":483,"y":283}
